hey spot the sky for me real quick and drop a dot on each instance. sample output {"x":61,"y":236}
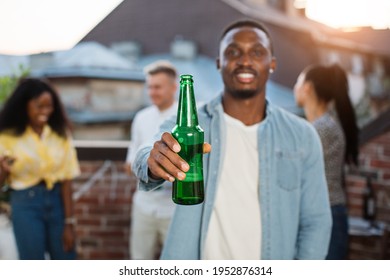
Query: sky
{"x":34,"y":26}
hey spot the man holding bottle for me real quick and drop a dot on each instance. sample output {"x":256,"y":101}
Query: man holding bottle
{"x":265,"y":188}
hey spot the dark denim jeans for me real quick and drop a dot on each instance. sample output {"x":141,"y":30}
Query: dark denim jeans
{"x":338,"y":247}
{"x":38,"y":222}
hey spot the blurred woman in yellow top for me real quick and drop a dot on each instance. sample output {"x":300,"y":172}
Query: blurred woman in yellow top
{"x":38,"y":162}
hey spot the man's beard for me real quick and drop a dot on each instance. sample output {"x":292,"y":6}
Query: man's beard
{"x":243,"y":94}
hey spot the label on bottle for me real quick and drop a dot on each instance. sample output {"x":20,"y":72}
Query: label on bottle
{"x":193,"y":177}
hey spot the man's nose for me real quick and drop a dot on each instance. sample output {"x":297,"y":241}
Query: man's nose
{"x":245,"y":59}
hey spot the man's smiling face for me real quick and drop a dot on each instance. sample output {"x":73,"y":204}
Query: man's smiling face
{"x":245,"y":61}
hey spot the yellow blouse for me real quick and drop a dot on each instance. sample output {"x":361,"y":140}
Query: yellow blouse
{"x":50,"y":158}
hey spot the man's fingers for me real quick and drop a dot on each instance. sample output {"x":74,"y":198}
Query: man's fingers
{"x":161,"y":168}
{"x":171,"y":142}
{"x":172,"y":156}
{"x":206,"y":148}
{"x":165,"y":163}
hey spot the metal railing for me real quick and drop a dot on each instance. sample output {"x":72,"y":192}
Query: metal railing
{"x":100,"y":150}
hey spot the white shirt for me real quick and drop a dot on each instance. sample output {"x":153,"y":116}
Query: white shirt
{"x":234,"y":231}
{"x":144,"y":127}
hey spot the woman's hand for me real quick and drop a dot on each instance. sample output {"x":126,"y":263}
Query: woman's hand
{"x":68,"y":237}
{"x":6,"y":161}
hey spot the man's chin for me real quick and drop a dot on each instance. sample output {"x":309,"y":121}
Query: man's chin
{"x":244,"y":94}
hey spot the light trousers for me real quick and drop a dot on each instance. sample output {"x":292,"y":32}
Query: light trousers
{"x":147,"y":235}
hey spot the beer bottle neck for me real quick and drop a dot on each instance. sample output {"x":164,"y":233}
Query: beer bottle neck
{"x":187,"y":115}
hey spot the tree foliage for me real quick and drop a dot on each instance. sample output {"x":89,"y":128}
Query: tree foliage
{"x":8,"y":83}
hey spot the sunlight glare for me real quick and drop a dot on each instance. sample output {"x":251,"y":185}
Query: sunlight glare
{"x":350,"y":13}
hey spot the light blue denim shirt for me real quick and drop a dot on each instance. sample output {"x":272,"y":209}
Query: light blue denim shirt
{"x":294,"y":203}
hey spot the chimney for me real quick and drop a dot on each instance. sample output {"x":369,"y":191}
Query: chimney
{"x":183,"y":49}
{"x":130,"y":50}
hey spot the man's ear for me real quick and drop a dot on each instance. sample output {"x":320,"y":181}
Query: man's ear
{"x":218,"y":63}
{"x":273,"y":64}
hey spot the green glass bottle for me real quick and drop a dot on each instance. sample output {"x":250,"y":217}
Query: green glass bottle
{"x":190,"y":137}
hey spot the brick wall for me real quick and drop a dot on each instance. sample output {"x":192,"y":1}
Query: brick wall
{"x":374,"y":160}
{"x":103,"y":197}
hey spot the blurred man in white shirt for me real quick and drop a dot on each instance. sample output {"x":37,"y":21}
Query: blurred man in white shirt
{"x":152,"y":211}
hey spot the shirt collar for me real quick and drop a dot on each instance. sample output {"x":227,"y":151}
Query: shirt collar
{"x":215,"y":105}
{"x":45,"y":132}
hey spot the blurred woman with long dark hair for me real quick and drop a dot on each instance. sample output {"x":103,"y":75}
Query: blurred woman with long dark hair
{"x":322,"y":91}
{"x":38,"y":162}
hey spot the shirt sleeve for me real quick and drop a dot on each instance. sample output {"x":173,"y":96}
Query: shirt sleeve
{"x":135,"y":140}
{"x":140,"y":166}
{"x":72,"y":167}
{"x":315,"y":218}
{"x":2,"y":148}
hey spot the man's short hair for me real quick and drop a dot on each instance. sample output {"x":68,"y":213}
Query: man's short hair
{"x":161,"y":66}
{"x":248,"y":23}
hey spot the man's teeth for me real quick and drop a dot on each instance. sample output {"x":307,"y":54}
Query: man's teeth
{"x":245,"y":75}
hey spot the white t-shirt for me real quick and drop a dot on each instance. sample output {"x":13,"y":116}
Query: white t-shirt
{"x":234,"y":231}
{"x":144,"y":127}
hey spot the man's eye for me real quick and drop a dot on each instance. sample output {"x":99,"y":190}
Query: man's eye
{"x":259,"y":52}
{"x":232,"y":53}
